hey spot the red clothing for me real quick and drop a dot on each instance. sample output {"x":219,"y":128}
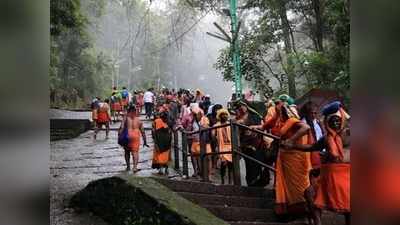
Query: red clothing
{"x":102,"y":114}
{"x":116,"y":106}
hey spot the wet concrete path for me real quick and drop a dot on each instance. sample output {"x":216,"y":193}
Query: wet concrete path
{"x":76,"y":162}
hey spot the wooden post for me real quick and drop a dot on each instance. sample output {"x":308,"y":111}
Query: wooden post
{"x":203,"y":158}
{"x":185,"y":166}
{"x":176,"y":150}
{"x":235,"y":157}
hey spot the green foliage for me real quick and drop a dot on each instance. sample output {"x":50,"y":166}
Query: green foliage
{"x":251,"y":69}
{"x":77,"y":70}
{"x":65,"y":14}
{"x":265,"y":57}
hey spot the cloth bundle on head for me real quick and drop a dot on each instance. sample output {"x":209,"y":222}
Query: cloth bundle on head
{"x":334,"y":108}
{"x":284,"y":97}
{"x":270,"y":103}
{"x":333,"y":138}
{"x":194,"y":105}
{"x":220,"y":112}
{"x":197,"y":109}
{"x":250,"y":109}
{"x":209,"y":111}
{"x":291,"y":111}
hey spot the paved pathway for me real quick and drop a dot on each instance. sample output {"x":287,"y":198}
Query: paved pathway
{"x":76,"y":162}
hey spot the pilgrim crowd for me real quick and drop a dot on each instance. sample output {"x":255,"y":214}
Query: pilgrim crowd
{"x":311,"y":161}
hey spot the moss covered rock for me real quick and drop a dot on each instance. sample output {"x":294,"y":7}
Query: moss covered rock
{"x":129,"y":200}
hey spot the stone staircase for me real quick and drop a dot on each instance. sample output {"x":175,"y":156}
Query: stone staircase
{"x":235,"y":205}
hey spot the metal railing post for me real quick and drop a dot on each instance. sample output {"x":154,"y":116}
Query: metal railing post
{"x":185,"y":166}
{"x":203,"y":158}
{"x":235,"y":157}
{"x":176,"y":150}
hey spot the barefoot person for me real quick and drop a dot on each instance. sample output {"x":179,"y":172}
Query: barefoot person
{"x":124,"y":99}
{"x":333,"y":189}
{"x":115,"y":106}
{"x":200,"y":122}
{"x":148,"y":99}
{"x":103,"y":117}
{"x":224,"y":144}
{"x":162,"y":143}
{"x":95,"y":106}
{"x":135,"y":129}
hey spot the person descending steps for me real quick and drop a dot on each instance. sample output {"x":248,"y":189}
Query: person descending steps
{"x":103,"y":117}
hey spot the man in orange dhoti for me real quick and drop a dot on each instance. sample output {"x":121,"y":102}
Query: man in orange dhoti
{"x":224,"y":144}
{"x":162,"y":143}
{"x":333,"y":190}
{"x":135,"y":130}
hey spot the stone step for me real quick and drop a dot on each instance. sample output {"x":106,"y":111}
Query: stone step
{"x":208,"y":188}
{"x":241,"y":213}
{"x":264,"y":223}
{"x":222,"y":200}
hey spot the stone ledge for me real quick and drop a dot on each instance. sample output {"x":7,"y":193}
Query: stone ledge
{"x":123,"y":200}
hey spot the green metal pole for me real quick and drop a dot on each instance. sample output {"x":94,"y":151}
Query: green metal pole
{"x":236,"y":49}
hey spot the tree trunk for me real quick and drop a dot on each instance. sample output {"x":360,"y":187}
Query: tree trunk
{"x":288,"y":47}
{"x":318,"y":25}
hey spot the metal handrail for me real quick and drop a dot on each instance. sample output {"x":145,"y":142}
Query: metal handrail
{"x":205,"y":129}
{"x":243,"y":155}
{"x":235,"y":149}
{"x":237,"y":124}
{"x":255,"y":160}
{"x":257,"y":131}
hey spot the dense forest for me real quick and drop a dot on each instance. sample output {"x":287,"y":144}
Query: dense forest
{"x":286,"y":46}
{"x":297,"y":44}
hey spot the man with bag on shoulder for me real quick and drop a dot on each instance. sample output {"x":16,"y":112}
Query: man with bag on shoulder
{"x":129,"y":137}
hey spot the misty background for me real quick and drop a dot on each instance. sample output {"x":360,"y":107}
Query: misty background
{"x":160,"y":45}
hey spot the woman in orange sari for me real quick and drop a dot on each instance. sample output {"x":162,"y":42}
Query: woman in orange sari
{"x":333,"y":189}
{"x":292,"y":167}
{"x":162,"y":143}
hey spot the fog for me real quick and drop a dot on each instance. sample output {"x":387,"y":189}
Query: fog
{"x":162,"y":47}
